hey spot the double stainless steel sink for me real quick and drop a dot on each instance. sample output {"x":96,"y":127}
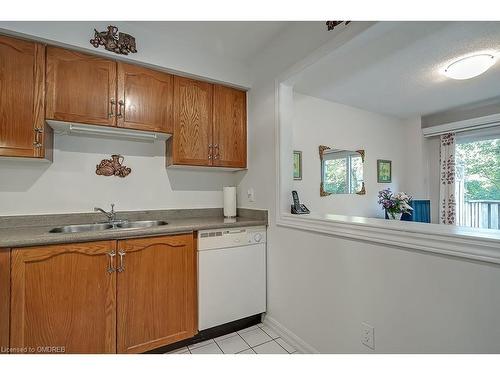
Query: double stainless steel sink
{"x":105,"y":226}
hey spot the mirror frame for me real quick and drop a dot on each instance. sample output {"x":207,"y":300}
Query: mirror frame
{"x":322,"y":151}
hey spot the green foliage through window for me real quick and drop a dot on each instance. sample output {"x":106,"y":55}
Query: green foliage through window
{"x":480,"y":163}
{"x":343,"y":175}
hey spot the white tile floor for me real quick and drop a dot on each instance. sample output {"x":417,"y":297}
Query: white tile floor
{"x":258,"y":339}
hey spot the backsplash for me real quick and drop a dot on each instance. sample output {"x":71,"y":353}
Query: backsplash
{"x":70,"y":184}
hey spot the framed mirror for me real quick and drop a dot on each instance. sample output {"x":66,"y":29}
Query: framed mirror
{"x":341,"y":171}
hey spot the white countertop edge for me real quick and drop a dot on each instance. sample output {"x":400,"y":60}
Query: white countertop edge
{"x":463,"y":242}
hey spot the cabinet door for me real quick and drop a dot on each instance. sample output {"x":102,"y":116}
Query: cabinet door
{"x":145,"y":98}
{"x":230,"y":127}
{"x":4,"y":298}
{"x":64,"y":296}
{"x":156,"y":292}
{"x":192,"y":137}
{"x":22,"y":70}
{"x":80,"y":87}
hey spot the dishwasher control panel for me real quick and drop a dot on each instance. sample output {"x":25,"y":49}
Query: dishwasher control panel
{"x":230,"y":237}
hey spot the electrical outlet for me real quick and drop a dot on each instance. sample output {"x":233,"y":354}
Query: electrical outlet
{"x":368,"y":335}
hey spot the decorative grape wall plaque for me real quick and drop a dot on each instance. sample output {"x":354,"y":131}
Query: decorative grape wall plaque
{"x":113,"y":167}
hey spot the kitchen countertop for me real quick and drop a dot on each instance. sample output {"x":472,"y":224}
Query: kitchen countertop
{"x":34,"y":235}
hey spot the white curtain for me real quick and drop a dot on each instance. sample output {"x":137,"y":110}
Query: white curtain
{"x":447,"y":194}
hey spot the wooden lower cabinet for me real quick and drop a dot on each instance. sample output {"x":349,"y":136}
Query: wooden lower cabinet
{"x":4,"y":298}
{"x":156,"y":292}
{"x":126,"y":296}
{"x":63,"y":296}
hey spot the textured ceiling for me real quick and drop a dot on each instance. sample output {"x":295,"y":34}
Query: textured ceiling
{"x":393,"y":68}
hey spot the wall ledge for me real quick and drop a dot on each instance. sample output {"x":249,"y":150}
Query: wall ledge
{"x":469,"y":243}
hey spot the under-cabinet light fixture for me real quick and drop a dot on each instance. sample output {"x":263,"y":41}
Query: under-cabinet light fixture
{"x":112,"y":132}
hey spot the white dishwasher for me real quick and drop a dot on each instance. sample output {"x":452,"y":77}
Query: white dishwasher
{"x":231,"y":274}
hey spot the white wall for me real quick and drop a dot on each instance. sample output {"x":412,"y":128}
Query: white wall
{"x":322,"y":288}
{"x":70,"y":184}
{"x":321,"y":122}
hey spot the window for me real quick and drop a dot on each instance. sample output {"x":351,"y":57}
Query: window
{"x":478,"y":181}
{"x":342,"y":172}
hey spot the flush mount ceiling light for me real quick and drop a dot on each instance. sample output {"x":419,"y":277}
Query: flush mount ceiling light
{"x":470,"y":66}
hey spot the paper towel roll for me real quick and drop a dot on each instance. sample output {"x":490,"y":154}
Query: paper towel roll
{"x":229,"y":201}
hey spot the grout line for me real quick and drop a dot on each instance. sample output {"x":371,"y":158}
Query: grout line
{"x":251,"y":347}
{"x":270,"y":338}
{"x":248,"y":329}
{"x":282,"y":346}
{"x":262,"y":343}
{"x":274,"y":338}
{"x":244,"y":340}
{"x":216,"y":343}
{"x":241,"y":351}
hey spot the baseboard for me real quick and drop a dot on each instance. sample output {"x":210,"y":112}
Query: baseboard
{"x":289,"y":336}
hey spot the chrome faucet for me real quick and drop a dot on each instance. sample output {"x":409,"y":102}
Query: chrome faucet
{"x":111,"y":215}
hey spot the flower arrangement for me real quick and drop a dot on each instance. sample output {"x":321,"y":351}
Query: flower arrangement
{"x":395,"y":204}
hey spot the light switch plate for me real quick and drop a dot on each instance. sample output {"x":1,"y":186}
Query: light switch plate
{"x":251,"y":195}
{"x":368,"y":335}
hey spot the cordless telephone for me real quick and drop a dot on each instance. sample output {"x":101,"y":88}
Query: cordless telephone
{"x":296,"y":207}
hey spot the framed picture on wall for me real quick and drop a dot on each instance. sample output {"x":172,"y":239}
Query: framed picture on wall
{"x":297,"y":165}
{"x":384,"y":171}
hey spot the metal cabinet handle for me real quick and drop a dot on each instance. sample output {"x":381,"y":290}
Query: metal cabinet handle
{"x":121,"y":268}
{"x":121,"y":104}
{"x":111,"y":114}
{"x":210,"y":146}
{"x":217,"y":153}
{"x":37,"y":142}
{"x":111,"y":268}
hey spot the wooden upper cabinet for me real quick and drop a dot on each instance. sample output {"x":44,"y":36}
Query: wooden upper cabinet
{"x":208,"y":121}
{"x":145,"y":98}
{"x":192,"y":139}
{"x":156,"y":302}
{"x":64,"y":296}
{"x":230,"y":127}
{"x":80,"y":87}
{"x":22,"y":125}
{"x":219,"y":140}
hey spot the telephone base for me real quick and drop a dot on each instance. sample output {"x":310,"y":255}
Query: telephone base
{"x":302,"y":211}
